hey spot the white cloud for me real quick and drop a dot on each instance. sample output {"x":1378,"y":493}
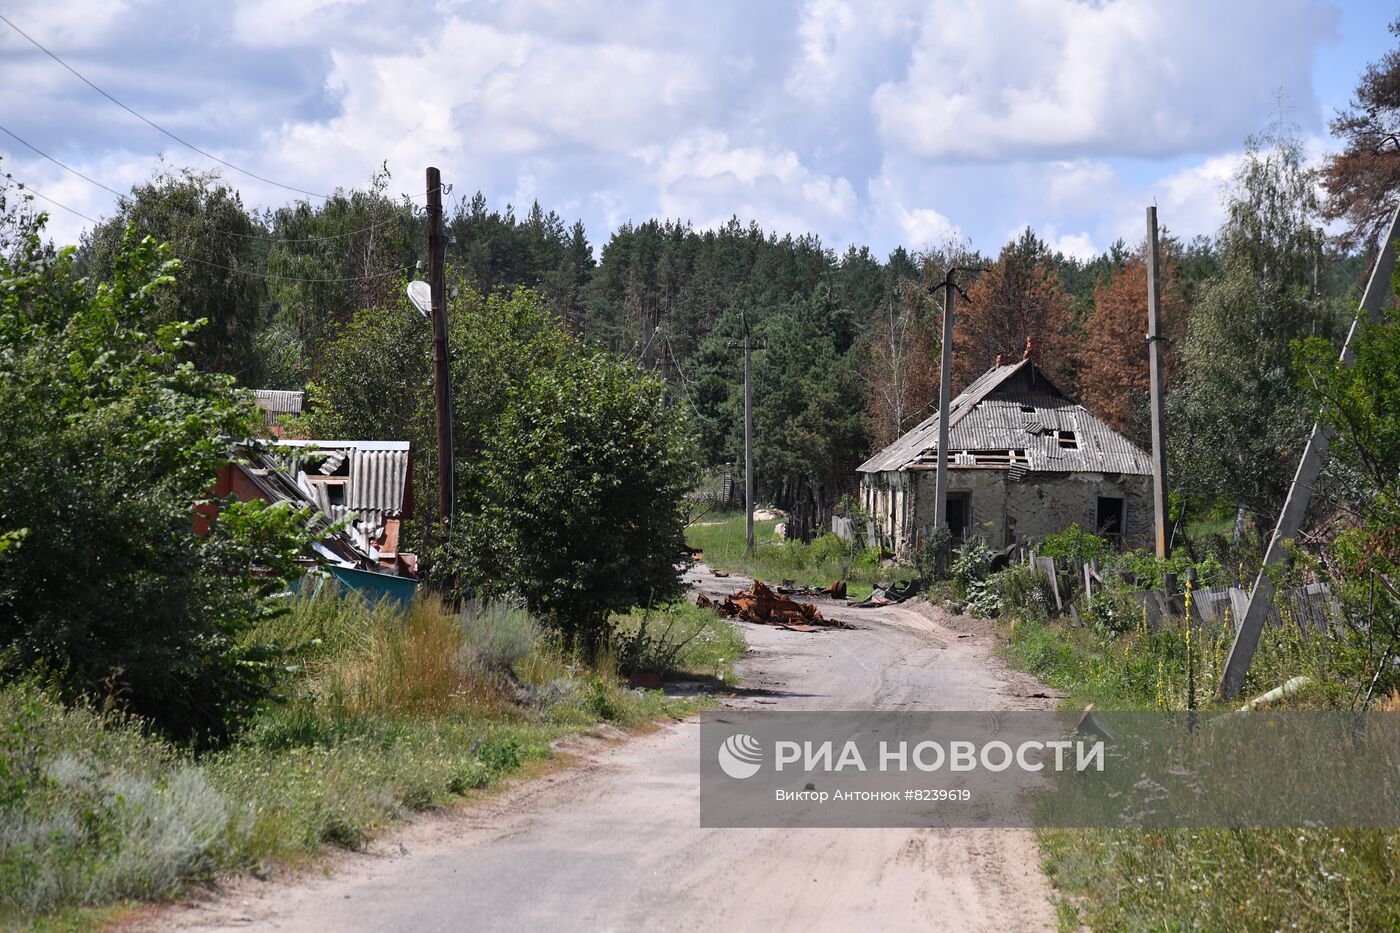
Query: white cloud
{"x":1026,"y":79}
{"x":705,"y":179}
{"x":1078,"y":245}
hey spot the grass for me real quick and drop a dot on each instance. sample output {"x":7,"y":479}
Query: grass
{"x":819,"y":563}
{"x":1218,"y":879}
{"x":680,"y":639}
{"x":386,"y":713}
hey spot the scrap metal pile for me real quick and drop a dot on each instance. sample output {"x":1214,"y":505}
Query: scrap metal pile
{"x":765,"y":607}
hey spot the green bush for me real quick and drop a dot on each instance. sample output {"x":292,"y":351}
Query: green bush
{"x":1076,"y":544}
{"x":933,"y":553}
{"x":108,"y":445}
{"x":1025,"y":593}
{"x":972,"y":563}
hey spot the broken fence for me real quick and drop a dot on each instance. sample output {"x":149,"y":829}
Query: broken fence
{"x":1312,"y":607}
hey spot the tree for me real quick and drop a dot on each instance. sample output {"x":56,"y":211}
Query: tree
{"x":1237,"y":419}
{"x":108,"y":445}
{"x":327,"y":262}
{"x":900,"y":367}
{"x":1018,"y":299}
{"x":584,"y":484}
{"x":1113,"y":370}
{"x":206,"y":226}
{"x":1363,"y":180}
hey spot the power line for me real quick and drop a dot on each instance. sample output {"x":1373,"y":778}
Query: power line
{"x":204,"y":262}
{"x":247,"y":236}
{"x":152,"y":123}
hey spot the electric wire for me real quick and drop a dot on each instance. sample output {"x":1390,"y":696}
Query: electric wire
{"x":154,"y":125}
{"x":124,"y":198}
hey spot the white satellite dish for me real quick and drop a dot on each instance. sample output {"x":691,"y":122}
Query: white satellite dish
{"x":421,"y":294}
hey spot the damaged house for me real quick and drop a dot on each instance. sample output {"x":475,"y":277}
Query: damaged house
{"x":365,"y":484}
{"x":1024,"y":461}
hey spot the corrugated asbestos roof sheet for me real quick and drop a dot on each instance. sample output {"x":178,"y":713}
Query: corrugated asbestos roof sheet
{"x":278,"y":401}
{"x":1016,"y":408}
{"x":378,"y":476}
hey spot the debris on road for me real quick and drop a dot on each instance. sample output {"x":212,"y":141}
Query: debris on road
{"x":719,"y":573}
{"x":888,"y":596}
{"x":765,"y":607}
{"x":835,"y":590}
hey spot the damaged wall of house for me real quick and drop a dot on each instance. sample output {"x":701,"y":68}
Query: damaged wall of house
{"x":1005,"y":512}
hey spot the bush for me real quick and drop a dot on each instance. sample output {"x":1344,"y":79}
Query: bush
{"x":972,"y":563}
{"x":933,"y":553}
{"x":497,"y":635}
{"x":1112,"y":611}
{"x":1025,"y":593}
{"x":1076,"y":544}
{"x":583,"y":512}
{"x":107,"y":446}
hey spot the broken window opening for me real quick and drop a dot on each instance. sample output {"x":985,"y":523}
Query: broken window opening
{"x":1109,"y":518}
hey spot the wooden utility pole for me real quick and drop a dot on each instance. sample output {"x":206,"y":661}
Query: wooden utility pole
{"x":1290,"y":520}
{"x":945,"y":397}
{"x":442,"y":361}
{"x":748,"y":436}
{"x":1154,"y":365}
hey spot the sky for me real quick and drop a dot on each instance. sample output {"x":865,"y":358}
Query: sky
{"x":874,"y":122}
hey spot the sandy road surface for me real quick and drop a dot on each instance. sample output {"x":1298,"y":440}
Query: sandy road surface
{"x":614,"y":843}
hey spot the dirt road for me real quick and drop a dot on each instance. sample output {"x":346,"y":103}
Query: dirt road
{"x":613,"y":843}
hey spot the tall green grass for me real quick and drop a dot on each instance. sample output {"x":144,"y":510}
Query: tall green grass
{"x":386,"y":712}
{"x":825,"y":560}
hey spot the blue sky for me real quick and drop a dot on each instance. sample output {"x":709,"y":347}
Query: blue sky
{"x":883,"y":122}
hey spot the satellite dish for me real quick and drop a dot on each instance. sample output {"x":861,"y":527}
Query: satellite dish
{"x":422,"y":297}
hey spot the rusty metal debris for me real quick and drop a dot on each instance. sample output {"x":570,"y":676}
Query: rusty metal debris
{"x":765,"y":607}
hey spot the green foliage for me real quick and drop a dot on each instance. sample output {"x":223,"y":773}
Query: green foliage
{"x":109,"y":444}
{"x":721,"y":538}
{"x":1360,"y":403}
{"x":933,"y":553}
{"x":209,"y":230}
{"x":584,"y":484}
{"x":681,"y":638}
{"x":1149,"y":570}
{"x":1024,"y":593}
{"x":1236,"y":414}
{"x":329,"y":261}
{"x":1076,"y":544}
{"x":972,"y":563}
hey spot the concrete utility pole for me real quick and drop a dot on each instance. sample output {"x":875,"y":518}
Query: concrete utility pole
{"x":1290,"y":520}
{"x":442,"y":365}
{"x":1154,"y":364}
{"x":748,"y":436}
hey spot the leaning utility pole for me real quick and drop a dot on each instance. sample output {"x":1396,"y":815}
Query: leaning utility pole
{"x":748,"y":436}
{"x":1154,"y":365}
{"x":442,"y":365}
{"x":1290,"y":520}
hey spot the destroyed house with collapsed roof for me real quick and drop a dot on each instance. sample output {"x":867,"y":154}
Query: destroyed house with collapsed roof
{"x":1024,"y":461}
{"x":366,"y":485}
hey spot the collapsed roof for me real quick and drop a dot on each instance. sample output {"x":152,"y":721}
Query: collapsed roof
{"x":1014,"y":418}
